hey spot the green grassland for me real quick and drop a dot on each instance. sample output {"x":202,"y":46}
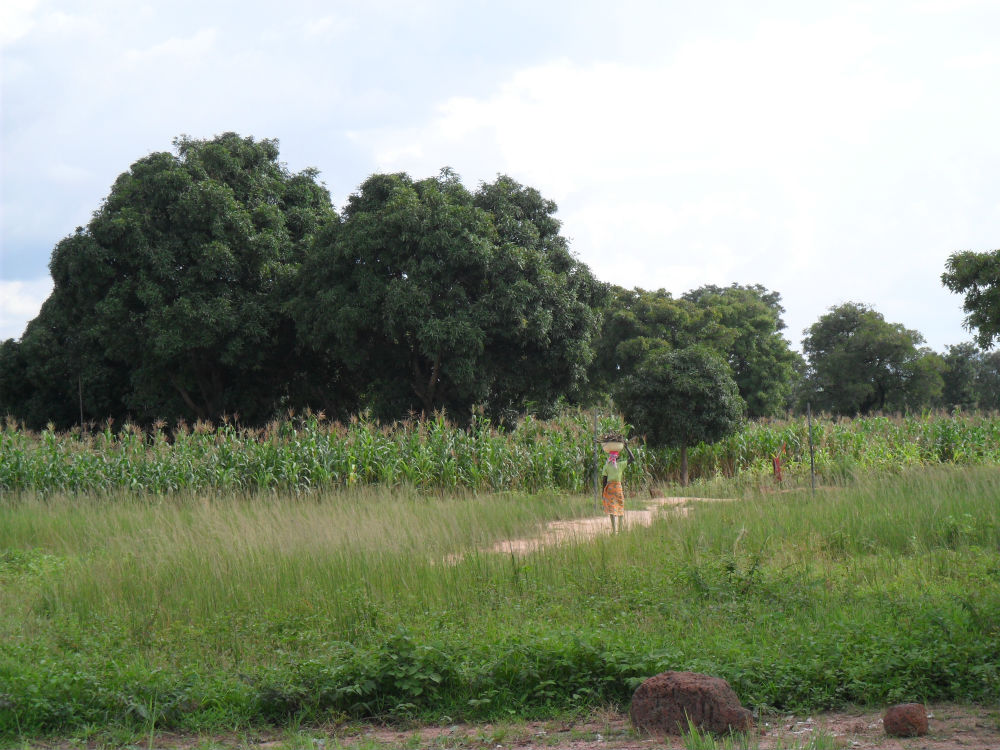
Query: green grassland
{"x":215,"y":611}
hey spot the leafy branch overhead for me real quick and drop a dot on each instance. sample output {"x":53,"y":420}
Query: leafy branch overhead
{"x":977,"y":276}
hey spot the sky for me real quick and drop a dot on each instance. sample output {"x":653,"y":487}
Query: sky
{"x":831,"y":151}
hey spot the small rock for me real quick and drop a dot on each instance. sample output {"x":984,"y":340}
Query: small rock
{"x":665,"y":703}
{"x":905,"y":720}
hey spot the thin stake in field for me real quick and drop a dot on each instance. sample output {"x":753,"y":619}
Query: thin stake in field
{"x":812,"y":461}
{"x":597,"y":468}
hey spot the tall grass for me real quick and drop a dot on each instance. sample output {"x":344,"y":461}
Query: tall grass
{"x":215,"y":612}
{"x":305,"y":455}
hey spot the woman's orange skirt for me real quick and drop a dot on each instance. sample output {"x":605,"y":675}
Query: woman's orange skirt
{"x":614,"y":499}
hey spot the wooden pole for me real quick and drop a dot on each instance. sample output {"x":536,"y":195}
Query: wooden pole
{"x":597,"y":468}
{"x":812,"y":462}
{"x":79,"y":393}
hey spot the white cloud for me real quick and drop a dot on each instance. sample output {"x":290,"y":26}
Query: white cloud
{"x":791,"y":157}
{"x":23,"y":18}
{"x":182,"y":49}
{"x":16,"y":19}
{"x":716,"y":105}
{"x":975,"y":61}
{"x":938,"y":7}
{"x":773,"y":111}
{"x":63,"y":173}
{"x":20,"y":301}
{"x":327,"y":27}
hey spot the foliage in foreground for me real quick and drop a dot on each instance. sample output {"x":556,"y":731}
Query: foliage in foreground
{"x":305,"y":455}
{"x":200,"y":614}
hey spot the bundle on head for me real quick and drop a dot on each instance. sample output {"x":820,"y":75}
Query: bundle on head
{"x":612,"y":443}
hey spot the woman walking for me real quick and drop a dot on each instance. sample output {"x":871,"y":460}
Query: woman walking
{"x":611,"y":479}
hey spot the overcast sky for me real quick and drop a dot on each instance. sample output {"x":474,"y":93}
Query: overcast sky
{"x":831,"y":151}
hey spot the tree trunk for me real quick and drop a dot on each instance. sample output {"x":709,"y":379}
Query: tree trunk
{"x":199,"y":414}
{"x":426,"y":393}
{"x":684,"y":465}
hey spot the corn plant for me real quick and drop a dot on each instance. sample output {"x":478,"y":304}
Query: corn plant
{"x":303,"y":454}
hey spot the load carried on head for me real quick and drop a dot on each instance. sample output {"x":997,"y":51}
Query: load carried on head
{"x":612,"y":443}
{"x":613,"y":495}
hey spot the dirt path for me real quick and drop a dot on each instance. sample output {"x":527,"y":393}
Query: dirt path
{"x":952,"y":727}
{"x":582,"y":529}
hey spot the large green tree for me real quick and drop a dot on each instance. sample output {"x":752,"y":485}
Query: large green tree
{"x":680,"y":397}
{"x":741,"y":323}
{"x":971,"y":378}
{"x":636,"y":322}
{"x":170,"y":302}
{"x":57,"y":372}
{"x":988,"y":382}
{"x":761,"y":358}
{"x":433,"y":297}
{"x":860,"y":363}
{"x":545,"y":303}
{"x":977,"y":276}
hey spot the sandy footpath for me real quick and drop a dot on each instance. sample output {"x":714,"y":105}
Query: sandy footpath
{"x":582,"y":529}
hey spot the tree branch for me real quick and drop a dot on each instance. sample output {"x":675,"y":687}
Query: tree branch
{"x":187,"y":398}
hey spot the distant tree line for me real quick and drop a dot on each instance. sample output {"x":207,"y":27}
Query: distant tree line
{"x":212,"y":282}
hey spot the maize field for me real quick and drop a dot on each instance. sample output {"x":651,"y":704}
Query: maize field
{"x":308,"y":453}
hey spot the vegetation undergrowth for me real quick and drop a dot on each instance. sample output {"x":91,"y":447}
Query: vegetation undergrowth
{"x":202,"y":613}
{"x":696,"y":739}
{"x":309,"y":454}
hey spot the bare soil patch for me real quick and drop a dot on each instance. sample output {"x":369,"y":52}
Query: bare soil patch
{"x":952,"y":727}
{"x":583,"y":529}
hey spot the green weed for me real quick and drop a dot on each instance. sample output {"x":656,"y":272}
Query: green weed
{"x":210,"y":613}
